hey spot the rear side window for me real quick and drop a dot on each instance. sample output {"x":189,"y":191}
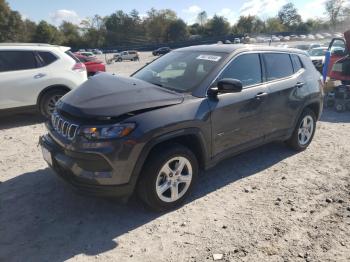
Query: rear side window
{"x":277,"y":66}
{"x":73,"y":56}
{"x":47,"y":57}
{"x":297,"y":65}
{"x":245,"y":68}
{"x":17,"y":60}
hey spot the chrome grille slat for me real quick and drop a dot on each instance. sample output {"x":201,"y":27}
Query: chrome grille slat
{"x":64,"y":127}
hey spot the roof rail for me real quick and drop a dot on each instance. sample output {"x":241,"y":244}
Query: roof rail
{"x":26,"y":44}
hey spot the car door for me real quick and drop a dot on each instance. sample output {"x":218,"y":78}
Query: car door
{"x":286,"y":88}
{"x":238,"y":118}
{"x":19,"y":78}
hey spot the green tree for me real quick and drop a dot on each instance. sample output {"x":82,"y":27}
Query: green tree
{"x":202,"y":18}
{"x":289,"y":16}
{"x":217,"y":26}
{"x":46,"y":33}
{"x":157,"y":23}
{"x":11,"y":24}
{"x":29,"y":29}
{"x":71,"y":34}
{"x":177,"y":31}
{"x":274,"y":25}
{"x":94,"y":32}
{"x":249,"y":24}
{"x":334,"y":10}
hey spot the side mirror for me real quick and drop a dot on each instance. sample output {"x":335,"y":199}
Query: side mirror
{"x":229,"y":85}
{"x":226,"y":85}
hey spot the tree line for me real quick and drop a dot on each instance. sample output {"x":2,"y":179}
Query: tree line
{"x":161,"y":26}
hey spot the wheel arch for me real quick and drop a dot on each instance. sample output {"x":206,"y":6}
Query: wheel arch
{"x":49,"y":88}
{"x":192,"y":138}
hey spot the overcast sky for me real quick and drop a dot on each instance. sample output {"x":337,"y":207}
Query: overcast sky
{"x":75,"y":10}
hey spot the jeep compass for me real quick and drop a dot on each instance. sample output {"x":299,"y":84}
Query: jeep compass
{"x":189,"y":109}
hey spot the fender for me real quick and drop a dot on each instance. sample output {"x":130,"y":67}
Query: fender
{"x":51,"y":87}
{"x":167,"y":137}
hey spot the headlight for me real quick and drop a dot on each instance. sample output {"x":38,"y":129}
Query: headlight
{"x":108,"y":132}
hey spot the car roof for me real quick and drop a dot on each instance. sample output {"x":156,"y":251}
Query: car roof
{"x":31,"y":46}
{"x":230,"y":48}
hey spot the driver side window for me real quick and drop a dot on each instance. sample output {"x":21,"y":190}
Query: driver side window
{"x":245,"y":68}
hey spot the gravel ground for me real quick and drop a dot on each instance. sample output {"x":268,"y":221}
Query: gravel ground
{"x":268,"y":204}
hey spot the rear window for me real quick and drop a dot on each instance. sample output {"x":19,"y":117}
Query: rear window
{"x":278,"y":66}
{"x":73,"y":56}
{"x":47,"y":57}
{"x":17,"y":60}
{"x":297,"y":65}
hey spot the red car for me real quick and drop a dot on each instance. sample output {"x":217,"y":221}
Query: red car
{"x":339,"y":65}
{"x":92,"y":64}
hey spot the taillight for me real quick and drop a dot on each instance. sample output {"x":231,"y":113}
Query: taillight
{"x":80,"y":67}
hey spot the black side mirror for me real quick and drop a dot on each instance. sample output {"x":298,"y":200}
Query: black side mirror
{"x":226,"y":85}
{"x":229,"y":85}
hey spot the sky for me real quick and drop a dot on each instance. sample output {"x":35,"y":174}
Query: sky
{"x":76,"y":10}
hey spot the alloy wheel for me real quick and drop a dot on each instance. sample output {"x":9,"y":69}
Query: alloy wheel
{"x":174,"y":179}
{"x":306,"y":129}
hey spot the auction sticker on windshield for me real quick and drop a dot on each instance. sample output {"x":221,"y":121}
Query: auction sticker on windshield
{"x":209,"y":57}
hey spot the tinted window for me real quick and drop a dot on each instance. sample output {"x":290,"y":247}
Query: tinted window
{"x":47,"y":57}
{"x":17,"y":60}
{"x":296,"y":63}
{"x":73,"y":56}
{"x":278,"y":66}
{"x":245,"y":68}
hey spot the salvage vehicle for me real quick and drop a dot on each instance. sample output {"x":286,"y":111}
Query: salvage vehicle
{"x":36,"y":76}
{"x":93,"y":65}
{"x":127,"y":55}
{"x":317,"y":56}
{"x":188,"y":110}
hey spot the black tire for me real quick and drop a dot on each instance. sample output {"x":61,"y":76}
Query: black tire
{"x":46,"y":101}
{"x":119,"y":59}
{"x":294,"y":140}
{"x":148,"y":178}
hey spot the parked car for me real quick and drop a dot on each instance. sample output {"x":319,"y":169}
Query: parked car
{"x":189,"y":109}
{"x":302,"y":37}
{"x":161,"y":51}
{"x":236,"y":40}
{"x":88,"y":54}
{"x":93,"y":65}
{"x":127,"y":55}
{"x":36,"y":76}
{"x":317,"y":56}
{"x":97,"y":52}
{"x":311,"y":37}
{"x":275,"y":39}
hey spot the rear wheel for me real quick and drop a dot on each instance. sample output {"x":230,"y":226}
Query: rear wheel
{"x":304,"y":131}
{"x":119,"y":59}
{"x":168,"y":177}
{"x":48,"y":101}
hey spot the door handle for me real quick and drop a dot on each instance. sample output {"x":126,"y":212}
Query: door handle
{"x":40,"y":75}
{"x":260,"y":96}
{"x":299,"y":84}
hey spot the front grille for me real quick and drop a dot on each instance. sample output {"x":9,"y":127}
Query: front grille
{"x":64,"y":127}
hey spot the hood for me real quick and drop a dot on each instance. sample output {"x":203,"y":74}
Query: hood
{"x":347,"y":39}
{"x":106,"y":95}
{"x":321,"y":58}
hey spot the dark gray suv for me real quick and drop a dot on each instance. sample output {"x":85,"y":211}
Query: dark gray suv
{"x":152,"y":132}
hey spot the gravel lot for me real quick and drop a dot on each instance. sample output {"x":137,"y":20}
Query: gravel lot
{"x":269,"y":204}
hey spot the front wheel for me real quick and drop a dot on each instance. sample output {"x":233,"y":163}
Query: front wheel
{"x":304,"y":131}
{"x":48,"y":101}
{"x":168,"y":177}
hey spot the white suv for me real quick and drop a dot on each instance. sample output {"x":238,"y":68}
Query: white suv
{"x":37,"y":75}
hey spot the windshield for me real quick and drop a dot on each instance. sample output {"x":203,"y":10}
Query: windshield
{"x":317,"y":52}
{"x":180,"y":71}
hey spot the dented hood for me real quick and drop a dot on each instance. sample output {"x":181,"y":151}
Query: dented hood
{"x":108,"y":95}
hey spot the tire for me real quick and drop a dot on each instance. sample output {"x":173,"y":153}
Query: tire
{"x":298,"y":139}
{"x":119,"y":59}
{"x":153,"y":179}
{"x":48,"y":100}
